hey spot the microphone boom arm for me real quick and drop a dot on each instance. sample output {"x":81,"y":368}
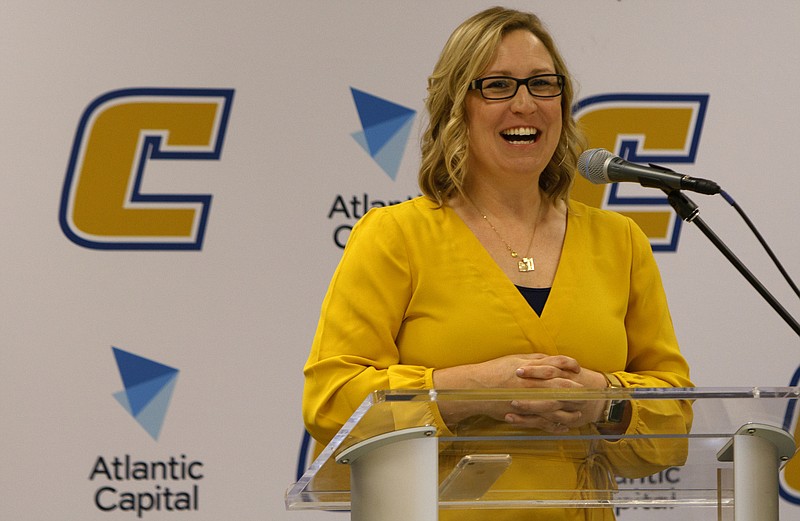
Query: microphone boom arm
{"x":689,"y":212}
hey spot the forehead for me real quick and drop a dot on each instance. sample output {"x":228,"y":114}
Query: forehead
{"x":521,"y":52}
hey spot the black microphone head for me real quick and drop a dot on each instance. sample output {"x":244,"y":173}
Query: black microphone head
{"x":592,"y":165}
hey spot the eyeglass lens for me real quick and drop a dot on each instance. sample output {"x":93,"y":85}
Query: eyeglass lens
{"x":499,"y":87}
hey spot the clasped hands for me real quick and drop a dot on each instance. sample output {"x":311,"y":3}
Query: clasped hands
{"x":529,"y":371}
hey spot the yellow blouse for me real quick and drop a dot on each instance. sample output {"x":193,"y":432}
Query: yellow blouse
{"x":415,"y":290}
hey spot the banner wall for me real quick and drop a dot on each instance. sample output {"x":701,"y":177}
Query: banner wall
{"x":179,"y":178}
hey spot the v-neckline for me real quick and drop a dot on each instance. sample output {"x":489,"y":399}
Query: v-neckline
{"x":496,"y":278}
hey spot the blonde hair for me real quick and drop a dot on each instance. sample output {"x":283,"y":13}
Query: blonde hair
{"x":445,"y":143}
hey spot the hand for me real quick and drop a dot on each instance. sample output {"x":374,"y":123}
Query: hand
{"x":557,"y":415}
{"x":528,"y":371}
{"x":516,"y":371}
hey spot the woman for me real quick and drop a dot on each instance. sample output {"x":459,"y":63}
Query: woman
{"x":495,"y":278}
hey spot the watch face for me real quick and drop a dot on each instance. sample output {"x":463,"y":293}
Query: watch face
{"x":616,"y":411}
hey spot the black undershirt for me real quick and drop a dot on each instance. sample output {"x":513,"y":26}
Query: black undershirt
{"x":536,"y":297}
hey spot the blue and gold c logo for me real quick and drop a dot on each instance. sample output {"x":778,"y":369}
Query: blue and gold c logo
{"x":103,"y":206}
{"x":643,"y":128}
{"x":790,"y":474}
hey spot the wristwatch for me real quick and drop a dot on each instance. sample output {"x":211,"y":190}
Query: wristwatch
{"x":615,"y":409}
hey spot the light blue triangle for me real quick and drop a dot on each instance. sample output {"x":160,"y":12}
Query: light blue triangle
{"x":122,"y":398}
{"x":151,"y":418}
{"x":361,"y":139}
{"x":391,"y":154}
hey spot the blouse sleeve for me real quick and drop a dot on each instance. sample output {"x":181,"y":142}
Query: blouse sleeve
{"x":654,"y":360}
{"x":354,"y":350}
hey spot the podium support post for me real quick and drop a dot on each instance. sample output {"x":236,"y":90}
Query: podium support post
{"x":757,"y":451}
{"x":394,"y":477}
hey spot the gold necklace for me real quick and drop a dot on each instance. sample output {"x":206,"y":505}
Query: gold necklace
{"x":526,"y":264}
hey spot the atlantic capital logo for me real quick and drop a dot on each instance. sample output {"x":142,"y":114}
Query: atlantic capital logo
{"x":385,"y":129}
{"x":148,"y":387}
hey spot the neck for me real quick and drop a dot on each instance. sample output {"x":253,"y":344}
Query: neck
{"x":519,"y":202}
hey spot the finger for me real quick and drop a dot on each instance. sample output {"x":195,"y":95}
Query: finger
{"x":539,"y":407}
{"x":575,"y":405}
{"x":566,"y":363}
{"x":547,"y":410}
{"x":549,"y":368}
{"x":570,"y":419}
{"x":543,"y":372}
{"x":537,"y":422}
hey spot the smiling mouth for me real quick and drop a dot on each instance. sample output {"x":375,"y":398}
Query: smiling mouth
{"x":520,"y":136}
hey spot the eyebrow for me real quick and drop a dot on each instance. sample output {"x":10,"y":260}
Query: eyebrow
{"x":534,"y":72}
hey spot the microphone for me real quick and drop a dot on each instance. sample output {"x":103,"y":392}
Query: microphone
{"x":600,"y":166}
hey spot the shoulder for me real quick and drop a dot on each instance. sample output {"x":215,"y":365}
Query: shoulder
{"x":606,"y":226}
{"x":411,"y":219}
{"x":413,"y":212}
{"x":411,"y":208}
{"x":591,"y":214}
{"x":597,"y":217}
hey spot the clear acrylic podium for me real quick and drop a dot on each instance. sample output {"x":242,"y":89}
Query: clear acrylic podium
{"x":395,"y":460}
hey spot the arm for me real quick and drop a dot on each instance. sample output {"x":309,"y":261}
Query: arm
{"x":654,"y":360}
{"x":354,"y":350}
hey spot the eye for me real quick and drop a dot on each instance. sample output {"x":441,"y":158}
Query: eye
{"x":498,"y":83}
{"x":545,"y":85}
{"x":543,"y":82}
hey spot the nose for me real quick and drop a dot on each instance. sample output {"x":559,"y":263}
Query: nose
{"x":523,"y":102}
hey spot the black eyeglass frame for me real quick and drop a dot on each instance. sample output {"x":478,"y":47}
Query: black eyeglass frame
{"x":478,"y":85}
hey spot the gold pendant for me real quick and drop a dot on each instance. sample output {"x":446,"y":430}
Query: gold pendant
{"x":526,"y":264}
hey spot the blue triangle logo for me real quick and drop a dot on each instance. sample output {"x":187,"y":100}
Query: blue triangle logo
{"x":148,"y":387}
{"x":385,"y":129}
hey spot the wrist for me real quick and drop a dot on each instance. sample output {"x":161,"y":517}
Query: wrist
{"x":614,"y":411}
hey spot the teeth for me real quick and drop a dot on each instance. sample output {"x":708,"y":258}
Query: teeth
{"x":521,"y":135}
{"x":527,"y":131}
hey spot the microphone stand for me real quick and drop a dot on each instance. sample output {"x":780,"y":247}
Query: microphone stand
{"x":689,"y":212}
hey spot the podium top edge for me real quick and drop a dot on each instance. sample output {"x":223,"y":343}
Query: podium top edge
{"x":628,"y":393}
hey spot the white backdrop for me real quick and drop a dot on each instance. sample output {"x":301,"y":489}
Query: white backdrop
{"x":236,"y":317}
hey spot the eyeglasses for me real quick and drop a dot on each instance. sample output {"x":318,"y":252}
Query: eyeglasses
{"x":506,"y":87}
